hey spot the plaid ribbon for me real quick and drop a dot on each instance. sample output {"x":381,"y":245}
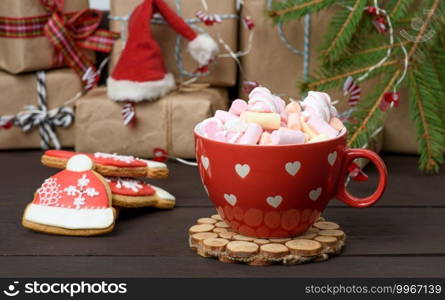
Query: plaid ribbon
{"x":68,"y":33}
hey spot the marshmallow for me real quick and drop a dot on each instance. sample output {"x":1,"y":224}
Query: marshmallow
{"x":336,"y":124}
{"x":266,"y":138}
{"x":238,"y":106}
{"x":236,"y":125}
{"x":293,"y":107}
{"x":319,"y":126}
{"x":266,"y":120}
{"x":306,"y":129}
{"x":262,"y":100}
{"x":285,"y":136}
{"x":320,"y":104}
{"x":219,"y":136}
{"x":252,"y":135}
{"x":210,"y":126}
{"x":319,"y":138}
{"x":233,"y":137}
{"x":293,"y":121}
{"x":224,"y":116}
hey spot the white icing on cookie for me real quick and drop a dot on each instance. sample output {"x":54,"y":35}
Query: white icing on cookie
{"x":70,"y":218}
{"x":131,"y":184}
{"x":154,"y":164}
{"x":163,"y":194}
{"x":123,"y":158}
{"x":81,"y":191}
{"x":79,"y":163}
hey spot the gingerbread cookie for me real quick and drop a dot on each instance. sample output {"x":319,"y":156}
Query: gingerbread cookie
{"x":76,"y":201}
{"x":110,"y":164}
{"x":132,"y":193}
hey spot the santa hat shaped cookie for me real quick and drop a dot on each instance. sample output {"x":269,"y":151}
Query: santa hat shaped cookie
{"x":75,"y":201}
{"x":140,"y":73}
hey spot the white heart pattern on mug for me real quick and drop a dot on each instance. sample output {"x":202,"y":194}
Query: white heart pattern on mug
{"x":274,"y":201}
{"x":242,"y":170}
{"x":314,"y":194}
{"x":293,"y":167}
{"x":205,"y":161}
{"x":230,"y":198}
{"x":332,"y":157}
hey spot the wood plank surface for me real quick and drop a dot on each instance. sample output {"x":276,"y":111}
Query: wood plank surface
{"x":370,"y":231}
{"x":406,"y":185}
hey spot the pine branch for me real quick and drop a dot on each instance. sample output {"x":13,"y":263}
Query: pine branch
{"x":398,"y":9}
{"x":338,"y":79}
{"x":363,"y":125}
{"x":294,"y":9}
{"x":427,"y":23}
{"x":424,"y":111}
{"x":340,"y":31}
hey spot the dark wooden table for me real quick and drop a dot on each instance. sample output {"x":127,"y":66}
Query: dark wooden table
{"x":401,"y":236}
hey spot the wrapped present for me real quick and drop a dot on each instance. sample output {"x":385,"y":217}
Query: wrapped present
{"x":177,"y":60}
{"x":278,"y":57}
{"x":46,"y":34}
{"x":35,"y":103}
{"x":167,"y":123}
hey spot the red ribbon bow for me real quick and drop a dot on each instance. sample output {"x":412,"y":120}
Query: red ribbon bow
{"x":69,"y":33}
{"x":356,"y":173}
{"x":388,"y":98}
{"x":379,"y":19}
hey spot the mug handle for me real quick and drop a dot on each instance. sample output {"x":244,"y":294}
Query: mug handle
{"x":343,"y":195}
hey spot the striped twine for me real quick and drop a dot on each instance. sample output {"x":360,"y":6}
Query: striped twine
{"x":46,"y":120}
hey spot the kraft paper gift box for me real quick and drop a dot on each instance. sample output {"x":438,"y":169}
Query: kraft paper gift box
{"x":223,"y":71}
{"x":18,"y":55}
{"x":19,"y":91}
{"x":167,"y":123}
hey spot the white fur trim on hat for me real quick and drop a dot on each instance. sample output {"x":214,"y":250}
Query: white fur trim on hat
{"x":203,"y":48}
{"x":69,"y":218}
{"x":127,"y":90}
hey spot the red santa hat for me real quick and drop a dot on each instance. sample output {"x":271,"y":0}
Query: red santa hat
{"x":140,"y":73}
{"x":75,"y":198}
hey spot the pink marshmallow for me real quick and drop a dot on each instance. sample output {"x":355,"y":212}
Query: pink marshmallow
{"x":233,"y":137}
{"x":211,"y":126}
{"x":219,"y":136}
{"x":293,"y":107}
{"x":238,"y":106}
{"x":285,"y":136}
{"x":293,"y":121}
{"x":318,"y":125}
{"x":224,"y":116}
{"x":252,"y":134}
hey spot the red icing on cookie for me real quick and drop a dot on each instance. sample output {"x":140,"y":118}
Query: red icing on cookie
{"x":105,"y":159}
{"x":129,"y":187}
{"x":78,"y":190}
{"x":60,"y":153}
{"x":123,"y":161}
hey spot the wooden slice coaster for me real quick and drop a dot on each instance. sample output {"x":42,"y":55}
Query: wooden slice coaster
{"x":303,"y":247}
{"x":212,"y":237}
{"x":207,"y":221}
{"x":326,"y":225}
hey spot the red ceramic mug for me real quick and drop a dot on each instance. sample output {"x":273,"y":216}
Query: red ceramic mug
{"x":279,"y":191}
